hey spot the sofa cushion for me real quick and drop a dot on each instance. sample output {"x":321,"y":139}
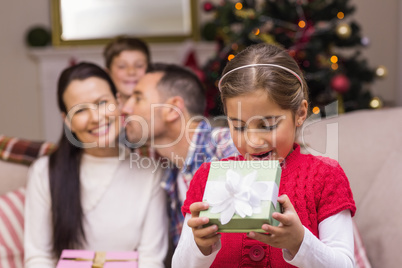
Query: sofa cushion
{"x":12,"y":228}
{"x":361,"y":258}
{"x":361,"y":141}
{"x":379,"y":214}
{"x":366,"y":145}
{"x":12,"y":176}
{"x":15,"y":157}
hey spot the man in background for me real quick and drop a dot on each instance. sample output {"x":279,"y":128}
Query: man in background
{"x":166,"y":112}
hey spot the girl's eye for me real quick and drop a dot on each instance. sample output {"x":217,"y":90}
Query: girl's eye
{"x":79,"y":111}
{"x":241,"y":128}
{"x":102,"y":102}
{"x":270,"y":127}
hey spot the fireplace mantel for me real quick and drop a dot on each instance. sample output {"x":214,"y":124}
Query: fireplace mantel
{"x":52,"y":60}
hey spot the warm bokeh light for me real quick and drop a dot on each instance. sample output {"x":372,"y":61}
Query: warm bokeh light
{"x":340,"y":15}
{"x":302,"y":24}
{"x":334,"y":66}
{"x":239,"y":6}
{"x":381,"y":71}
{"x":375,"y":103}
{"x":292,"y":53}
{"x":230,"y":57}
{"x":334,"y":59}
{"x":343,"y":30}
{"x":257,"y":31}
{"x":316,"y":110}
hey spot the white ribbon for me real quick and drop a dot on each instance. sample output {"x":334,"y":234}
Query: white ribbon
{"x":239,"y":194}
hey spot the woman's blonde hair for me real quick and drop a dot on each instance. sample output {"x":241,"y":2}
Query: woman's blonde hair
{"x":283,"y":87}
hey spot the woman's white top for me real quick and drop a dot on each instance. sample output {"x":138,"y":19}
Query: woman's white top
{"x":124,"y":210}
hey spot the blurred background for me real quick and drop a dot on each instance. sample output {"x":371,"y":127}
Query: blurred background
{"x":350,"y":51}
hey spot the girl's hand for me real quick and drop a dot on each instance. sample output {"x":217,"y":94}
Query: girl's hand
{"x":290,"y":232}
{"x":204,"y":237}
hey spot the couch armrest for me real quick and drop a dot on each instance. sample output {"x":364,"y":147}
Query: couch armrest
{"x":23,"y":151}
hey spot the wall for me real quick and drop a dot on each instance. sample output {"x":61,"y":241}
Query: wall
{"x":20,"y":101}
{"x":19,"y":93}
{"x":379,"y":21}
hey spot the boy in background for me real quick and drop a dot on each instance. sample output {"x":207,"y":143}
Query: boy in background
{"x":126,"y":60}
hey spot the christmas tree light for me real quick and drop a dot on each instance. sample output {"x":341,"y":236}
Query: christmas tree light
{"x":315,"y":33}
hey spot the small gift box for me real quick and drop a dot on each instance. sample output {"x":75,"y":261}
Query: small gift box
{"x":242,"y":195}
{"x":91,"y":259}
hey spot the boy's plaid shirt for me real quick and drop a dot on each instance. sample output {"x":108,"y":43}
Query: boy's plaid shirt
{"x":208,"y":144}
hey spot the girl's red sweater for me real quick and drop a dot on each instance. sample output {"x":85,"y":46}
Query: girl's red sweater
{"x":317,"y":187}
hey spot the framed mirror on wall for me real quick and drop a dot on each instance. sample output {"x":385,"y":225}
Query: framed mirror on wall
{"x":93,"y":22}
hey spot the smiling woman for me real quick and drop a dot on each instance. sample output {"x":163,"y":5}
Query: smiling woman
{"x":85,"y":195}
{"x":87,"y":100}
{"x":92,"y":116}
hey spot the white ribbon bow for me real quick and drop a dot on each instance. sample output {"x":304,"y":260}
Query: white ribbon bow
{"x":239,"y":194}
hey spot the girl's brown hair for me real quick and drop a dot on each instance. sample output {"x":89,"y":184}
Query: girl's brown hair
{"x":282,"y":87}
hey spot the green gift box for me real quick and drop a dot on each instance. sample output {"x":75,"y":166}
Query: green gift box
{"x":242,"y":195}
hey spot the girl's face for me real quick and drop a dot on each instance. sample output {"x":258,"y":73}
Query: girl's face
{"x":260,"y":129}
{"x":126,"y":69}
{"x":92,"y":114}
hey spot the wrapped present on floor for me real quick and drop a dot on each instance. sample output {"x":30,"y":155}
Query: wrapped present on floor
{"x":242,"y":195}
{"x":91,"y":259}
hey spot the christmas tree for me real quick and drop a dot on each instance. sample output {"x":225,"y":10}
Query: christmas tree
{"x":316,"y":33}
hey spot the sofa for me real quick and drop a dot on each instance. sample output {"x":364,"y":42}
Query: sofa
{"x":367,"y":143}
{"x":15,"y":157}
{"x":368,"y":146}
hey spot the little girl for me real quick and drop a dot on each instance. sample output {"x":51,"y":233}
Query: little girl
{"x":265,"y":99}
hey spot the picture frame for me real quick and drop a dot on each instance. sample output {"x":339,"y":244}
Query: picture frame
{"x":95,"y":22}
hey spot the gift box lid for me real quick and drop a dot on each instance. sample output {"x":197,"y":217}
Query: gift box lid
{"x":247,"y":190}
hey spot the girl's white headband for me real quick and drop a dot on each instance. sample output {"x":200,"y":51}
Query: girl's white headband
{"x":261,"y":64}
